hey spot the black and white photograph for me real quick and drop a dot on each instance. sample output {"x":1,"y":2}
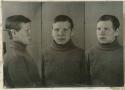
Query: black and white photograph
{"x":62,"y":44}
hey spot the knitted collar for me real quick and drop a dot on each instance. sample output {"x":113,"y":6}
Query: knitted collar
{"x":18,"y":45}
{"x":69,"y":45}
{"x":110,"y":46}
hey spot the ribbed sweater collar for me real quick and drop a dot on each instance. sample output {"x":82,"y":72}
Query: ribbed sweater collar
{"x":110,"y":46}
{"x":18,"y":45}
{"x":69,"y":45}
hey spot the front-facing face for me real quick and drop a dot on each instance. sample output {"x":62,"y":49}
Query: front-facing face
{"x":61,"y":32}
{"x":23,"y":35}
{"x":105,"y":32}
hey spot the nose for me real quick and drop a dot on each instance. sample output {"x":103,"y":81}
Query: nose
{"x":102,"y":31}
{"x":61,"y":32}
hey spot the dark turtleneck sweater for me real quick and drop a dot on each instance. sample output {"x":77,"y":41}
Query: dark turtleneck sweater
{"x":19,"y":67}
{"x":106,"y":64}
{"x":64,"y":65}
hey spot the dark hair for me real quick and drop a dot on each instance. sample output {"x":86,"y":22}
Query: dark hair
{"x":13,"y":22}
{"x":64,"y":18}
{"x":112,"y":18}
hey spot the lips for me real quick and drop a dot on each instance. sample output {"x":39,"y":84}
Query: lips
{"x":102,"y":38}
{"x":61,"y":39}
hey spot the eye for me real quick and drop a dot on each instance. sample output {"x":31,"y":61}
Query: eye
{"x":56,"y":29}
{"x":105,"y":29}
{"x":65,"y":29}
{"x":98,"y":28}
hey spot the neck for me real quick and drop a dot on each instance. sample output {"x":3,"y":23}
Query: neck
{"x":109,"y":46}
{"x":67,"y":46}
{"x":18,"y":45}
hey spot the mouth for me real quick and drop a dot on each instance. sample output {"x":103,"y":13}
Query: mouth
{"x":102,"y":37}
{"x":61,"y":39}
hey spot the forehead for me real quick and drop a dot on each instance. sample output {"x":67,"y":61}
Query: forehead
{"x":107,"y":23}
{"x":61,"y":24}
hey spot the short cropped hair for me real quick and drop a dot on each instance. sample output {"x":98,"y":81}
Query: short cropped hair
{"x":63,"y":18}
{"x":113,"y":19}
{"x":13,"y":22}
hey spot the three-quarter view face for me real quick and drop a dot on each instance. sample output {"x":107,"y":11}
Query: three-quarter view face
{"x":106,"y":58}
{"x":61,"y":32}
{"x":106,"y":32}
{"x":62,"y":44}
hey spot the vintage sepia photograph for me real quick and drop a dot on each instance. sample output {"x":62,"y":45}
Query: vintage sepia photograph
{"x":62,"y":44}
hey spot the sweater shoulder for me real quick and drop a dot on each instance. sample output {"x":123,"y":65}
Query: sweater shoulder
{"x":79,"y":49}
{"x":10,"y":54}
{"x":91,"y":50}
{"x":14,"y":55}
{"x":46,"y":50}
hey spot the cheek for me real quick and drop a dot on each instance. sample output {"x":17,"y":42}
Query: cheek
{"x":110,"y":34}
{"x":25,"y":35}
{"x":68,"y":35}
{"x":97,"y":32}
{"x":53,"y":33}
{"x":20,"y":35}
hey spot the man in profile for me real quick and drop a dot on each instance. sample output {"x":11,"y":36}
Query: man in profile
{"x":19,"y":67}
{"x":63,"y":63}
{"x":106,"y":59}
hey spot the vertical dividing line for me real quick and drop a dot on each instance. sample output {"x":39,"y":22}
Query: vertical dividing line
{"x":41,"y":41}
{"x":41,"y":24}
{"x":123,"y":36}
{"x":84,"y":27}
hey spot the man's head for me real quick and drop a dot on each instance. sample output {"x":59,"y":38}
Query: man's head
{"x":62,"y":29}
{"x":18,"y":28}
{"x":107,"y":29}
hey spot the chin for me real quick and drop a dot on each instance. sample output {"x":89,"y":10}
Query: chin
{"x":103,"y":42}
{"x":61,"y":43}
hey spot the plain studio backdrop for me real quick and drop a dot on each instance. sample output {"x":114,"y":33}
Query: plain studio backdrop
{"x":84,"y":15}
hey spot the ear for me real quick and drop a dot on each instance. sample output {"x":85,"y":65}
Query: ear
{"x":13,"y":32}
{"x":117,"y":32}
